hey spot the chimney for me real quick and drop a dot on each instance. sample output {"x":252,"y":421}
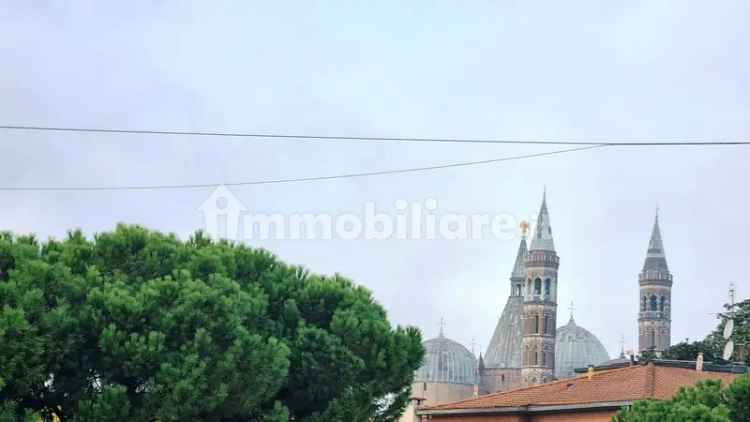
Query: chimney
{"x":590,"y":372}
{"x":699,"y":362}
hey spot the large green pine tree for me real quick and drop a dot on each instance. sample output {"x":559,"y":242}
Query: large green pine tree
{"x":135,"y":325}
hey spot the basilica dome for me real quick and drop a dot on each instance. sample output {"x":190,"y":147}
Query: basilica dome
{"x":576,"y":347}
{"x":446,"y":362}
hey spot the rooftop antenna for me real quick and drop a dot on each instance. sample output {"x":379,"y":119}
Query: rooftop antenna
{"x":729,"y":325}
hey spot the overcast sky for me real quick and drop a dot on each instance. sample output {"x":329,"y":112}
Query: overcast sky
{"x":505,"y":69}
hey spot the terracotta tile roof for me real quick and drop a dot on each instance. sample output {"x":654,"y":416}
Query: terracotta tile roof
{"x":614,"y":385}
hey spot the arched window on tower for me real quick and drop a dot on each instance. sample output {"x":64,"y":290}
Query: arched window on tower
{"x":653,"y":303}
{"x":662,"y":301}
{"x":547,"y":288}
{"x":536,"y":324}
{"x":538,"y":287}
{"x":536,"y":357}
{"x":644,"y":303}
{"x":653,"y":339}
{"x":551,"y":326}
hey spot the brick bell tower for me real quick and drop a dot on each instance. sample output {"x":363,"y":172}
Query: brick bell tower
{"x":540,"y":304}
{"x":655,"y":282}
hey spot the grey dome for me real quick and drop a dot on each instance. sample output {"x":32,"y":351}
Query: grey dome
{"x":447,"y":362}
{"x":576,"y":347}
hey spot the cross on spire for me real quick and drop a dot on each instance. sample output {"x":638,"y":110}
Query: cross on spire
{"x":571,"y":308}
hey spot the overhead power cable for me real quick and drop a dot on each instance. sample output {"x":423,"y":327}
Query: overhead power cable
{"x":296,"y":179}
{"x":300,"y":137}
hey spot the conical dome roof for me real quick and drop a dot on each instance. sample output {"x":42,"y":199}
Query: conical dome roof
{"x":576,"y":347}
{"x":504,"y":350}
{"x":505,"y":346}
{"x":446,"y":361}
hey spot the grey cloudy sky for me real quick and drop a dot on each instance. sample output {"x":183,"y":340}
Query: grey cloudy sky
{"x":507,"y":69}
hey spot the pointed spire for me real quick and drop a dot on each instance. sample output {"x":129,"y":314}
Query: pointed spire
{"x":441,"y":334}
{"x":655,"y":258}
{"x":542,"y":238}
{"x":519,"y":268}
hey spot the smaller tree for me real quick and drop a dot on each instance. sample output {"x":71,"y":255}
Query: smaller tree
{"x":706,"y":402}
{"x":702,"y":403}
{"x":689,"y":351}
{"x":647,"y":355}
{"x":738,"y":398}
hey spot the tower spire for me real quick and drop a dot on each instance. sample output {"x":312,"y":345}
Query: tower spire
{"x":519,"y":268}
{"x":655,"y":258}
{"x":542,"y":238}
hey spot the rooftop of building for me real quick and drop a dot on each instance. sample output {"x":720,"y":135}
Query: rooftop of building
{"x":610,"y":388}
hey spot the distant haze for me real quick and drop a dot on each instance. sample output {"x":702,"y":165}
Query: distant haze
{"x":504,"y":70}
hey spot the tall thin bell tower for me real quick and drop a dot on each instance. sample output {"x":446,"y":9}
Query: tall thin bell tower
{"x":540,"y":303}
{"x":655,"y":301}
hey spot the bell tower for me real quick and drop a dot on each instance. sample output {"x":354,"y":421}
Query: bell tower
{"x":539,"y":316}
{"x":655,"y":282}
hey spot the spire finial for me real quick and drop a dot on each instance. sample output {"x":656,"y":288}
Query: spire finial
{"x":442,"y":327}
{"x":622,"y":345}
{"x":571,"y":308}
